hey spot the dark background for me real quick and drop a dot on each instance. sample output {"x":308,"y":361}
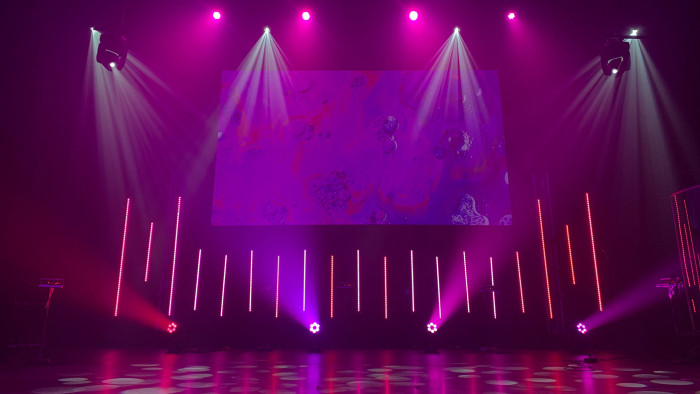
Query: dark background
{"x":61,"y":217}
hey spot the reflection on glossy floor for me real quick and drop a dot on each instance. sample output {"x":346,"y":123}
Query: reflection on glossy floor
{"x":401,"y":371}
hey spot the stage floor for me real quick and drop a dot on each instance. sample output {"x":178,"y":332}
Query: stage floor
{"x":332,"y":371}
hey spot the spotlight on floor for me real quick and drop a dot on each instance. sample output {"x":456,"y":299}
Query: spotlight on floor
{"x":582,"y":328}
{"x":413,"y":15}
{"x":511,"y":16}
{"x":305,"y":15}
{"x":172,"y":327}
{"x":314,"y":327}
{"x":216,"y":15}
{"x":615,"y":55}
{"x":112,"y":51}
{"x":432,"y":327}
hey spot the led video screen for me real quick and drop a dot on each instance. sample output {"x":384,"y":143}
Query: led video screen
{"x":359,"y":147}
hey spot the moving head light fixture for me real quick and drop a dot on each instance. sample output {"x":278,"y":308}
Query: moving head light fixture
{"x":615,"y":56}
{"x":112,"y":51}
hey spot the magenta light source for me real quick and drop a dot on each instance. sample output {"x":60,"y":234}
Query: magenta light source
{"x":223,"y":287}
{"x":511,"y":16}
{"x":305,"y":15}
{"x":216,"y":15}
{"x":544,"y":260}
{"x":121,"y":259}
{"x":303,"y":288}
{"x":520,"y":282}
{"x":172,"y":276}
{"x":250,"y":284}
{"x":413,"y":15}
{"x":466,"y":281}
{"x":571,"y":255}
{"x":148,"y":252}
{"x":314,"y":327}
{"x":582,"y":328}
{"x":358,"y":280}
{"x":493,"y":290}
{"x":386,"y":297}
{"x":331,"y":286}
{"x":437,"y":272}
{"x":277,"y":290}
{"x":595,"y":259}
{"x":196,"y":283}
{"x":413,"y":292}
{"x":432,"y":327}
{"x":172,"y":327}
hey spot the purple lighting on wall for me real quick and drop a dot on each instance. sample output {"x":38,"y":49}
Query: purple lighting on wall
{"x":358,"y":280}
{"x":432,"y":327}
{"x":493,"y":289}
{"x":121,"y":259}
{"x":223,"y":287}
{"x":172,"y":275}
{"x":413,"y":290}
{"x":314,"y":327}
{"x":413,"y":15}
{"x":595,"y":259}
{"x":437,"y":275}
{"x":148,"y":252}
{"x":196,"y":283}
{"x":466,"y":280}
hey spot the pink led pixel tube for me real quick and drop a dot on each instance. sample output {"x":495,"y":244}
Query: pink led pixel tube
{"x":172,"y":276}
{"x":121,"y":259}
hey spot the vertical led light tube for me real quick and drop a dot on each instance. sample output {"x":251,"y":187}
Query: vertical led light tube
{"x":413,"y":290}
{"x":437,"y":272}
{"x":520,"y":282}
{"x":358,"y":280}
{"x":196,"y":283}
{"x":691,"y":244}
{"x":544,"y":260}
{"x":680,"y":239}
{"x":466,"y":280}
{"x":493,"y":288}
{"x":595,"y":258}
{"x":148,"y":252}
{"x":277,"y":290}
{"x":693,"y":270}
{"x":571,"y":255}
{"x":250,"y":284}
{"x":172,"y":275}
{"x":331,"y":286}
{"x":386,"y":296}
{"x":223,"y":287}
{"x":121,"y":259}
{"x":303,"y":287}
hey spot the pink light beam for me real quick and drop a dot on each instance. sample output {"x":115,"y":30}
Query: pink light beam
{"x":121,"y":259}
{"x":595,"y":258}
{"x":172,"y":276}
{"x":466,"y":280}
{"x":148,"y":252}
{"x":196,"y":283}
{"x":223,"y":287}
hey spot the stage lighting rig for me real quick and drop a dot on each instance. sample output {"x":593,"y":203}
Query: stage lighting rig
{"x":615,"y":56}
{"x":112,"y":51}
{"x":314,"y":327}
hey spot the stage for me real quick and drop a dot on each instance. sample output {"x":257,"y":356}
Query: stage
{"x":400,"y":371}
